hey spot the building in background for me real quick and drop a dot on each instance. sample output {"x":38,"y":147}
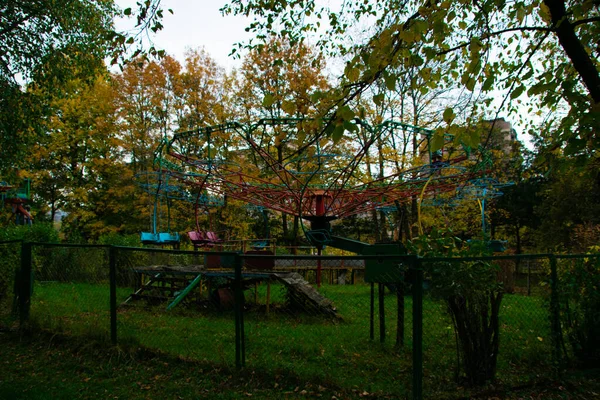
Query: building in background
{"x":502,"y":135}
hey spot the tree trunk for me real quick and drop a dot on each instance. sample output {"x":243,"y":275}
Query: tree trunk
{"x":284,"y":221}
{"x":582,"y":62}
{"x":405,"y":233}
{"x":476,"y":321}
{"x":518,"y":250}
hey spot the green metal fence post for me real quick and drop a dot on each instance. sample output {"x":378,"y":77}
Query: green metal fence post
{"x":417,"y":299}
{"x":381,"y":289}
{"x":400,"y":315}
{"x":26,"y":284}
{"x":555,"y":310}
{"x":372,"y":313}
{"x":112,"y":260}
{"x":240,"y":350}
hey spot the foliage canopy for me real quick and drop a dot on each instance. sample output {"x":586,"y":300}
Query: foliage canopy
{"x":542,"y":48}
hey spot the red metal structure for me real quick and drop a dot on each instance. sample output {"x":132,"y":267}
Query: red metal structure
{"x":315,"y":181}
{"x":17,"y":198}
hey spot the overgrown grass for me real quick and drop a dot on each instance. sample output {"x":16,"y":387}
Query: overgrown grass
{"x":337,"y":353}
{"x":41,"y":367}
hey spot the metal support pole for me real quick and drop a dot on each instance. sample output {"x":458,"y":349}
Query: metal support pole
{"x":417,"y":294}
{"x":372,"y":313}
{"x":400,"y":317}
{"x":319,"y":268}
{"x":528,"y":278}
{"x":555,"y":310}
{"x":381,"y":288}
{"x":112,"y":260}
{"x":240,"y":348}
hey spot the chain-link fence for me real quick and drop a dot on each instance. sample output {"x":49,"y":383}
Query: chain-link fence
{"x":577,"y":301}
{"x":10,"y":259}
{"x":180,"y":302}
{"x":379,"y":324}
{"x":70,"y":291}
{"x":477,"y":326}
{"x":326,"y":318}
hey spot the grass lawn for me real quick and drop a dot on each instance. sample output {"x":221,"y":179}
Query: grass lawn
{"x":334,"y":353}
{"x":44,"y":367}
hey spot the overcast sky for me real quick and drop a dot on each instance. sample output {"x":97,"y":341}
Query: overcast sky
{"x":196,"y":24}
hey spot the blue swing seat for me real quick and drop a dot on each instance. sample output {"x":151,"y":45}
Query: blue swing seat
{"x":160,"y":238}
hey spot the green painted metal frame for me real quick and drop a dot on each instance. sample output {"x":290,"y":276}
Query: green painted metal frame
{"x":112,"y":259}
{"x":185,"y":292}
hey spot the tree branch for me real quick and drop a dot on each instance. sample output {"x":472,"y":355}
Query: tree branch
{"x":585,"y":21}
{"x":490,"y":34}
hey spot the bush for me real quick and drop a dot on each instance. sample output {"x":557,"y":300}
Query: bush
{"x":116,"y":239}
{"x":472,"y":295}
{"x":35,"y":233}
{"x":10,"y":254}
{"x":579,"y":292}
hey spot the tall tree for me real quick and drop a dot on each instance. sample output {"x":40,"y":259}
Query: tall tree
{"x":270,"y":88}
{"x":141,"y":101}
{"x":202,"y":84}
{"x":77,"y":166}
{"x":46,"y":34}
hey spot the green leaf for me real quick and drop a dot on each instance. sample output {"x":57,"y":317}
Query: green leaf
{"x":521,"y":14}
{"x":448,"y":115}
{"x":345,"y":112}
{"x":268,"y":100}
{"x":378,"y":99}
{"x":437,"y":141}
{"x":316,"y":96}
{"x":127,"y":11}
{"x":352,"y":73}
{"x":350,"y":126}
{"x":475,"y":45}
{"x":487,"y":84}
{"x":470,"y":84}
{"x":517,"y":92}
{"x":289,"y":107}
{"x":338,"y":133}
{"x":473,"y":139}
{"x":390,"y":82}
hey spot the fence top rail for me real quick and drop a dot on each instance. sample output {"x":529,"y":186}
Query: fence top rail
{"x":72,"y":245}
{"x":315,"y":257}
{"x":509,"y":257}
{"x":487,"y":258}
{"x":11,"y":241}
{"x":571,"y":256}
{"x":169,"y":251}
{"x":401,"y":257}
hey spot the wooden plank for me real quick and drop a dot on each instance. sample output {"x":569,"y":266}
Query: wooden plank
{"x":141,"y":289}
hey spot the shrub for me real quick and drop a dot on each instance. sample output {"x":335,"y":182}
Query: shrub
{"x":10,"y":256}
{"x":579,"y":282}
{"x":116,"y":239}
{"x":472,"y":296}
{"x":35,"y":233}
